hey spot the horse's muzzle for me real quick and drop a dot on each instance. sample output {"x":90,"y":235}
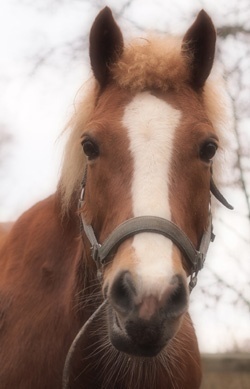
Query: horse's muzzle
{"x":144,"y":326}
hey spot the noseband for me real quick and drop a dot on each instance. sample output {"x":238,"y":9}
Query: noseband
{"x":155,"y":224}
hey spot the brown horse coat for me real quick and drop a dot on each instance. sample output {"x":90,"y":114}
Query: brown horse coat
{"x":48,"y":282}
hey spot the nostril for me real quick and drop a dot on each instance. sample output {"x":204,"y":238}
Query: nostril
{"x":122,"y":293}
{"x":177,"y":300}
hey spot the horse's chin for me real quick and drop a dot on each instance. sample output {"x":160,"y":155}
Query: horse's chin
{"x":123,"y":342}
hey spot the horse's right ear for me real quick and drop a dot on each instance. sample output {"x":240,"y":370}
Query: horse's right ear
{"x":106,"y":45}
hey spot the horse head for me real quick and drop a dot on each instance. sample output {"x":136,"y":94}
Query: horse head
{"x":149,"y":145}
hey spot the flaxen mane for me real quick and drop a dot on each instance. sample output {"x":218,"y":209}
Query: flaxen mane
{"x":153,"y":62}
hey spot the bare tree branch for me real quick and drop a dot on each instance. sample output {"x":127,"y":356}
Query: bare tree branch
{"x":225,"y":31}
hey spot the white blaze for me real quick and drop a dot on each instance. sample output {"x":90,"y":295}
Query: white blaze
{"x":151,"y":125}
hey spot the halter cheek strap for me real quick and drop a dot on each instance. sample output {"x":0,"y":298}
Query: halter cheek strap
{"x":158,"y":225}
{"x":218,"y":195}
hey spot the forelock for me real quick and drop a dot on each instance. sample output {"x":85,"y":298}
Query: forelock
{"x":152,"y":62}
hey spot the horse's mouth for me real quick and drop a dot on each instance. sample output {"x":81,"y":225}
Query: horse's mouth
{"x":149,"y":344}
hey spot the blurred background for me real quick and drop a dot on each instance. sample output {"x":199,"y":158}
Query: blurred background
{"x":43,"y":63}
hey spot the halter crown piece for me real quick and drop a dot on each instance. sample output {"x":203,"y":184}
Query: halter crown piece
{"x":155,"y":224}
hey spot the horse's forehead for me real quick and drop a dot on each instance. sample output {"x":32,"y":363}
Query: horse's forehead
{"x":152,"y":112}
{"x":150,"y":118}
{"x":115,"y":100}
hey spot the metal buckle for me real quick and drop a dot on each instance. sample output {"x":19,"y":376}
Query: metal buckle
{"x":200,"y":262}
{"x":200,"y":259}
{"x":82,"y":193}
{"x":193,"y":281}
{"x":81,"y":198}
{"x":95,"y":252}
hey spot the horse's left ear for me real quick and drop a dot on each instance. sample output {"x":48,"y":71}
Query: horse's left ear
{"x":106,"y":45}
{"x":199,"y":43}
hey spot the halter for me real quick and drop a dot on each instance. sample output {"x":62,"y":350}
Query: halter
{"x":155,"y":224}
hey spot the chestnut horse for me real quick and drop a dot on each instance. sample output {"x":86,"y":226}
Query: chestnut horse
{"x":137,"y":174}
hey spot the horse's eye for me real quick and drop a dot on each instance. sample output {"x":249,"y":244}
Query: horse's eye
{"x":208,"y":150}
{"x":90,"y":149}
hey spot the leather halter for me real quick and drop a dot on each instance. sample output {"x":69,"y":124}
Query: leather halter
{"x":155,"y":224}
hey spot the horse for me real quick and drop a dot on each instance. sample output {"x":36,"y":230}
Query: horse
{"x":95,"y":280}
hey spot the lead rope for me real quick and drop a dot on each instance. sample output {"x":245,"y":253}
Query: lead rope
{"x":66,"y":369}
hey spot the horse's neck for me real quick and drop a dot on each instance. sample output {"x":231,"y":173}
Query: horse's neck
{"x":45,"y":246}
